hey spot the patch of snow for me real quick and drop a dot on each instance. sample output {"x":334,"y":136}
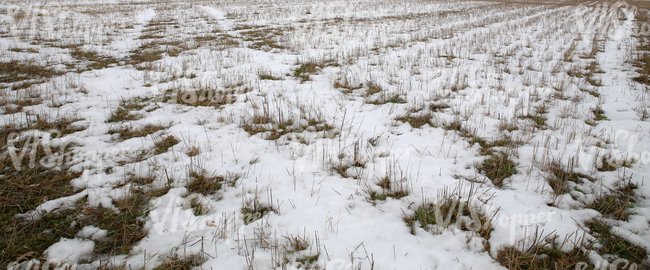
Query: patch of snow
{"x":70,"y":251}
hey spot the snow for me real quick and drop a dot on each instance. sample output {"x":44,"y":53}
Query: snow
{"x":215,"y":13}
{"x":145,"y":16}
{"x":70,"y":251}
{"x":93,"y":233}
{"x":311,"y":200}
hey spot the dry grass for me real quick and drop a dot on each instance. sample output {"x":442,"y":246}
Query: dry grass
{"x":268,"y":76}
{"x":204,"y":183}
{"x":19,"y":237}
{"x":617,"y":204}
{"x":341,"y":168}
{"x":599,"y":114}
{"x":390,"y":189}
{"x":609,"y":163}
{"x":16,"y":71}
{"x":416,"y":120}
{"x":124,"y":226}
{"x":305,"y":70}
{"x":263,"y":38}
{"x":451,"y":210}
{"x":614,"y":244}
{"x":310,"y":68}
{"x":28,"y":98}
{"x":545,"y":253}
{"x":93,"y":60}
{"x":642,"y":57}
{"x":21,"y":50}
{"x":163,"y":145}
{"x":145,"y":56}
{"x":384,"y":98}
{"x":538,"y":117}
{"x":561,"y":175}
{"x":253,"y":210}
{"x":63,"y":123}
{"x":498,"y":168}
{"x":124,"y":110}
{"x":140,"y":180}
{"x":642,"y":62}
{"x":373,"y":88}
{"x":274,"y":128}
{"x":345,"y":84}
{"x":181,"y":263}
{"x":130,"y":131}
{"x":454,"y":125}
{"x":24,"y":185}
{"x":438,"y":107}
{"x":122,"y":114}
{"x":295,"y":243}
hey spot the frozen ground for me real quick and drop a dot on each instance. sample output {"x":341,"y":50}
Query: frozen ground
{"x":323,"y":135}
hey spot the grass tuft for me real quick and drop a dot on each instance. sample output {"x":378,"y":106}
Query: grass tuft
{"x":162,"y":146}
{"x":416,"y":121}
{"x":615,"y":245}
{"x":253,"y":210}
{"x":561,"y":175}
{"x":17,"y":71}
{"x":451,"y":210}
{"x":201,"y":182}
{"x":181,"y":263}
{"x":544,"y":253}
{"x":498,"y":168}
{"x":395,"y":189}
{"x":130,"y":131}
{"x":616,"y":205}
{"x":303,"y":72}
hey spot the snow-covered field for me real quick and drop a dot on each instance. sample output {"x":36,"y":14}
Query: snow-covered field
{"x":324,"y":135}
